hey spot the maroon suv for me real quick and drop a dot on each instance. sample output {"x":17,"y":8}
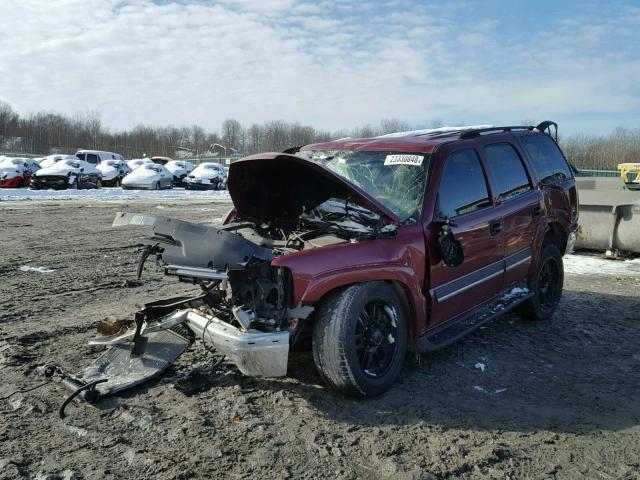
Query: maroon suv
{"x":366,"y":247}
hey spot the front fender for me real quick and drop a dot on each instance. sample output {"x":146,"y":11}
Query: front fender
{"x":401,"y":275}
{"x":401,"y":259}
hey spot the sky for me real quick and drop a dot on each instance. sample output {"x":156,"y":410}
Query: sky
{"x":331,"y":64}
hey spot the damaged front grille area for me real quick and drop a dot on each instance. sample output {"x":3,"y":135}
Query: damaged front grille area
{"x":243,"y":310}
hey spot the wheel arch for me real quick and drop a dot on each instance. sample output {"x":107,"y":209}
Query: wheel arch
{"x":555,"y":235}
{"x":408,"y":292}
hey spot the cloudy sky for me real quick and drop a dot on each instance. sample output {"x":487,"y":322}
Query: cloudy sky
{"x":327,"y":63}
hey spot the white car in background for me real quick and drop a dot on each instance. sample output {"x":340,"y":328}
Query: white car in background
{"x":97,"y":156}
{"x":113,"y":172}
{"x":149,"y":176}
{"x":179,"y":170}
{"x":51,"y":159}
{"x":206,"y":176}
{"x":70,"y":173}
{"x":136,"y":162}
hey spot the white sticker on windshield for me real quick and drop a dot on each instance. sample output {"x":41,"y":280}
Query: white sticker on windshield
{"x":404,"y":160}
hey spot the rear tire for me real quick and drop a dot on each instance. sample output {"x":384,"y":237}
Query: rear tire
{"x":546,"y":286}
{"x":360,"y":339}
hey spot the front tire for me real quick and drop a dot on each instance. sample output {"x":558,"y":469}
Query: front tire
{"x":157,"y":187}
{"x":546,"y":286}
{"x":360,"y":339}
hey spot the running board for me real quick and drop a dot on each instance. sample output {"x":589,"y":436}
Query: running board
{"x":454,"y":330}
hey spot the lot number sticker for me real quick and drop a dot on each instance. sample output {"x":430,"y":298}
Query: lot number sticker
{"x":404,"y":160}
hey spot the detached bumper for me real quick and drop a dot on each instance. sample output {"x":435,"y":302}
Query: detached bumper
{"x":254,"y":353}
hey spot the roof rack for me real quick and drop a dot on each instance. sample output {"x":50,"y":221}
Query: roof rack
{"x":476,"y":133}
{"x":543,"y":127}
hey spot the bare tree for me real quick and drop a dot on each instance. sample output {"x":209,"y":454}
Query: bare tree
{"x":232,"y":134}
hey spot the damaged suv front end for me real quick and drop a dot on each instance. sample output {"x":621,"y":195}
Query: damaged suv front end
{"x":301,"y":229}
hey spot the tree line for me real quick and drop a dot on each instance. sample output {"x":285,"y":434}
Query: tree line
{"x":46,"y":132}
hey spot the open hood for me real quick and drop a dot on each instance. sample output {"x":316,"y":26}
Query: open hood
{"x":267,"y":186}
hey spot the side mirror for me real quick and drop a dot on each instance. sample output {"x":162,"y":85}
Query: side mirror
{"x":450,"y":247}
{"x":82,"y":170}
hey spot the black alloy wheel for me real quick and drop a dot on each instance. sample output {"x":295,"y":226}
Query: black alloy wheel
{"x":375,"y":339}
{"x":545,"y":284}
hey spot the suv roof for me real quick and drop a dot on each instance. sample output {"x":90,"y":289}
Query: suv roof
{"x":425,"y":141}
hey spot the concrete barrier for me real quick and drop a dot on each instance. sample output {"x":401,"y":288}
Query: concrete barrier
{"x":609,"y":216}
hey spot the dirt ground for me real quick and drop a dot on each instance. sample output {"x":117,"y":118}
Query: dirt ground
{"x":558,"y":399}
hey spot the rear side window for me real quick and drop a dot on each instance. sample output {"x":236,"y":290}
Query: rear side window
{"x":547,"y":158}
{"x":507,"y":169}
{"x":463,"y":188}
{"x":92,"y":158}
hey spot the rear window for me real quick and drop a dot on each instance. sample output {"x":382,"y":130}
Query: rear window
{"x":463,"y":188}
{"x":507,"y":170}
{"x":547,"y":158}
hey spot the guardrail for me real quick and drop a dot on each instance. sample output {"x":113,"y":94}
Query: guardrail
{"x":599,"y":173}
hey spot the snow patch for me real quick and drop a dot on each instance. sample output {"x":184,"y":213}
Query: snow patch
{"x":27,"y":268}
{"x":481,"y":366}
{"x":591,"y":264}
{"x":11,"y":194}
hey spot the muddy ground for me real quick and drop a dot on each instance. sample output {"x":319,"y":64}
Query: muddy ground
{"x":558,"y":399}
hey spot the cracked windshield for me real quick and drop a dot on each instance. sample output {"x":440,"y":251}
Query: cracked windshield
{"x":395,"y":179}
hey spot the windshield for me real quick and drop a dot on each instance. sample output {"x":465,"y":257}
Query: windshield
{"x":212,"y":167}
{"x":72,"y":164}
{"x":152,"y":167}
{"x":112,"y":163}
{"x":395,"y":179}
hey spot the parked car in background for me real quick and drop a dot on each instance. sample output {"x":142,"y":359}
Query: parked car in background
{"x":179,"y":169}
{"x":16,"y":172}
{"x":51,"y":159}
{"x":67,"y":174}
{"x":149,"y":176}
{"x":113,"y":171}
{"x":96,"y":156}
{"x":136,"y":162}
{"x":206,"y":176}
{"x":161,"y":160}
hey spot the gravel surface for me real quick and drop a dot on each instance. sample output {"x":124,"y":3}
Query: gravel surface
{"x":557,"y":399}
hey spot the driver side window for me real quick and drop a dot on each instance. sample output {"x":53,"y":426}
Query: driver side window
{"x":463,"y":188}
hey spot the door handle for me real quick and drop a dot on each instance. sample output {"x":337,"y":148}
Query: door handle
{"x":537,"y":211}
{"x":495,"y":228}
